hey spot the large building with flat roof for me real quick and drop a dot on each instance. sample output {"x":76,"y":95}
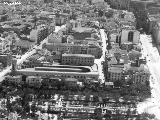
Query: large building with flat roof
{"x":60,"y":71}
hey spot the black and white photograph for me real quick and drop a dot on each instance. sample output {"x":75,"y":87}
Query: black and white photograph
{"x":79,"y":59}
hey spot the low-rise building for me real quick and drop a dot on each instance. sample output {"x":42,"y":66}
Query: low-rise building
{"x":33,"y":81}
{"x":78,"y":59}
{"x":14,"y":79}
{"x":115,"y":73}
{"x":137,"y":74}
{"x":39,"y":34}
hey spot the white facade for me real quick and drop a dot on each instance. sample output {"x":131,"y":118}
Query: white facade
{"x":34,"y":35}
{"x":130,"y":36}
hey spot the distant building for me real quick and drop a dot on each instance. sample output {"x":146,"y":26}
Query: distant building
{"x":78,"y":59}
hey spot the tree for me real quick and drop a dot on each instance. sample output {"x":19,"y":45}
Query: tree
{"x":145,"y":116}
{"x":98,"y":113}
{"x":118,"y":83}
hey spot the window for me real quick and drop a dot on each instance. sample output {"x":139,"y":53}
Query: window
{"x":130,"y":36}
{"x":117,"y":39}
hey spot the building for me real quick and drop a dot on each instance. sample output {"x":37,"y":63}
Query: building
{"x":56,"y":37}
{"x":156,"y":32}
{"x":51,"y":82}
{"x":5,"y":45}
{"x":39,"y":34}
{"x":60,"y":71}
{"x":33,"y":81}
{"x":13,"y":79}
{"x":128,"y":35}
{"x":153,"y":19}
{"x":74,"y":48}
{"x":71,"y":82}
{"x":137,"y":74}
{"x":6,"y":59}
{"x":115,"y":74}
{"x":61,"y":18}
{"x":78,"y":59}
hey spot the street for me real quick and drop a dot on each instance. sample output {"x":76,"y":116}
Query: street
{"x":151,"y":105}
{"x":102,"y":59}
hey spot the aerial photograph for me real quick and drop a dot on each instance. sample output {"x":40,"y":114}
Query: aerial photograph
{"x":79,"y":59}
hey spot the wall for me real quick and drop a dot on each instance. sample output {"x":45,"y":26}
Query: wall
{"x":124,"y":36}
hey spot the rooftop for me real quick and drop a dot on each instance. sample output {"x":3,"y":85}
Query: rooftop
{"x":142,"y":68}
{"x":115,"y":69}
{"x":58,"y":69}
{"x":78,"y":55}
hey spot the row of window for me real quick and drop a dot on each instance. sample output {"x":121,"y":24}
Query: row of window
{"x":76,"y":61}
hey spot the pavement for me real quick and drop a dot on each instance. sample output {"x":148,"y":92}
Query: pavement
{"x":151,"y":105}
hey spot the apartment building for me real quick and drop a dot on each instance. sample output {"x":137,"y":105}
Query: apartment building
{"x":78,"y":59}
{"x":115,"y":73}
{"x":74,"y":48}
{"x":39,"y":34}
{"x":137,"y":74}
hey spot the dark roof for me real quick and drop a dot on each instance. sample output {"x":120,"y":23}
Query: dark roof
{"x":81,"y":36}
